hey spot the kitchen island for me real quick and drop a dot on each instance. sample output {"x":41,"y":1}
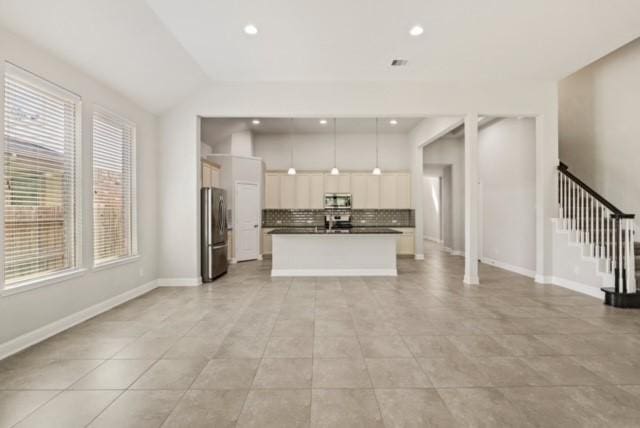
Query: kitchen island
{"x":358,"y":251}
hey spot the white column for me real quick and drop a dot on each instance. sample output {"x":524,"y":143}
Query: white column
{"x":416,"y":191}
{"x":471,"y":198}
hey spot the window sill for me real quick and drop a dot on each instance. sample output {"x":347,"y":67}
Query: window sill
{"x":116,"y":262}
{"x":42,"y":282}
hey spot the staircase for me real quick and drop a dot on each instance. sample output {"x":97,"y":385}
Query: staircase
{"x":605,"y":232}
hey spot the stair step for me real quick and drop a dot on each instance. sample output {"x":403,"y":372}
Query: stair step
{"x":631,"y":300}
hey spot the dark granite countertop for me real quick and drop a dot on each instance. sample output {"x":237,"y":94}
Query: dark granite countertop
{"x":306,"y":226}
{"x":322,"y":231}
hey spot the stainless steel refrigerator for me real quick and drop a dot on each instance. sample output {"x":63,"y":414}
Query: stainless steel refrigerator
{"x":214,"y":233}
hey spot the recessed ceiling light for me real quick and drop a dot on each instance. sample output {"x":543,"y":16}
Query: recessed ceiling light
{"x":393,"y":122}
{"x":416,"y":30}
{"x":323,"y":121}
{"x":255,"y":122}
{"x":251,"y":29}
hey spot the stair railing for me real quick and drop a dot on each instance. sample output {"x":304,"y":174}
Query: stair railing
{"x":597,"y":223}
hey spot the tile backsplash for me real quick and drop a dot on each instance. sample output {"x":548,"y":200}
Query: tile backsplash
{"x":308,"y":217}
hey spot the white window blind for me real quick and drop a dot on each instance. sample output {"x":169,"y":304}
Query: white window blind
{"x":41,"y":200}
{"x":114,"y":183}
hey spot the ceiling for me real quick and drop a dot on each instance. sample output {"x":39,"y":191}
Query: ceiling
{"x":157,"y":52}
{"x":215,"y":130}
{"x":355,"y":40}
{"x":119,"y":42}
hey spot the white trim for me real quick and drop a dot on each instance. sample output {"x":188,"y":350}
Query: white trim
{"x":432,"y":239}
{"x":454,"y":252}
{"x":418,"y":256}
{"x":576,"y":286}
{"x":179,"y":282}
{"x":334,"y":272}
{"x":29,"y":339}
{"x":506,"y":266}
{"x":541,"y":279}
{"x":229,"y":155}
{"x":236,"y":231}
{"x":471,"y":280}
{"x":117,"y":262}
{"x":24,"y":286}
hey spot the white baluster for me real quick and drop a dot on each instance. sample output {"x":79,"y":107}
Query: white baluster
{"x":608,"y":243}
{"x":619,"y":245}
{"x":631,"y":263}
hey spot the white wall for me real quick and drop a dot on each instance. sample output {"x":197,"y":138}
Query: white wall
{"x":506,"y":155}
{"x":426,"y":132}
{"x":180,"y":151}
{"x":314,"y":152}
{"x":432,"y":208}
{"x":449,"y":151}
{"x":599,"y":126}
{"x":29,"y":310}
{"x":205,"y":150}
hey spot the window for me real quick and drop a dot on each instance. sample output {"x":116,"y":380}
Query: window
{"x":114,"y":184}
{"x":41,"y":200}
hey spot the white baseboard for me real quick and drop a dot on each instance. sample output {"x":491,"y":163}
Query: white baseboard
{"x":541,"y":279}
{"x":576,"y":286}
{"x":432,"y":239}
{"x":179,"y":282}
{"x":334,"y":272}
{"x":471,"y":280}
{"x":29,"y":339}
{"x":418,"y":256}
{"x":509,"y":267}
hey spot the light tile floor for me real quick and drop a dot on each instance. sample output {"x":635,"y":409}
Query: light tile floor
{"x":418,"y":350}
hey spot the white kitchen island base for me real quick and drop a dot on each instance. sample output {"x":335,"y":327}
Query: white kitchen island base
{"x":334,"y":255}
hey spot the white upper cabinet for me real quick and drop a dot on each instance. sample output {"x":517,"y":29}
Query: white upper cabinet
{"x":306,"y":190}
{"x":373,"y":192}
{"x":287,"y":191}
{"x":316,"y":191}
{"x":404,"y":191}
{"x":395,"y":191}
{"x":359,"y":191}
{"x":303,"y":186}
{"x":337,"y":183}
{"x":210,"y":175}
{"x":388,"y":186}
{"x":272,"y":190}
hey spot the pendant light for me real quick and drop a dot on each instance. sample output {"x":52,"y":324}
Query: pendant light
{"x":292,"y":170}
{"x":376,"y":170}
{"x":334,"y":170}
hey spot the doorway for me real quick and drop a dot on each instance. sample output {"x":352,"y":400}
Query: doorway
{"x":247,"y":221}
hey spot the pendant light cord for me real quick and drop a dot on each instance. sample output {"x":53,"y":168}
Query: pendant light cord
{"x":291,"y":143}
{"x":377,"y":142}
{"x":335,"y":156}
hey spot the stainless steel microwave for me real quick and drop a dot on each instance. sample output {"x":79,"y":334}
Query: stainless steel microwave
{"x":337,"y":201}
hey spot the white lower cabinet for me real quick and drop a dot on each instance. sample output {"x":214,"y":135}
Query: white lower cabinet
{"x":266,"y":241}
{"x":406,"y":241}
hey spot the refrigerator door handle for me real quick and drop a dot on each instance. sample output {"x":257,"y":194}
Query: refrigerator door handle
{"x":207,"y":222}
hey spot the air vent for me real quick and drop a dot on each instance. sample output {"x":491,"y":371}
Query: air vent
{"x":399,"y":62}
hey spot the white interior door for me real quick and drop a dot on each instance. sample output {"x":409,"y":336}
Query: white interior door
{"x":248,"y":221}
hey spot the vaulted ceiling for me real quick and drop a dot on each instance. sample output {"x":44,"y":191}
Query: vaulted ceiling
{"x":159,"y":51}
